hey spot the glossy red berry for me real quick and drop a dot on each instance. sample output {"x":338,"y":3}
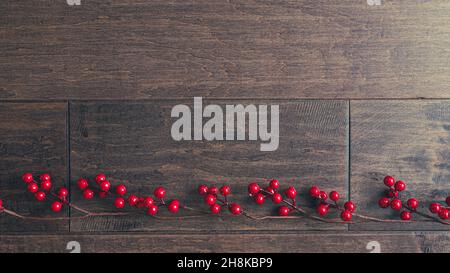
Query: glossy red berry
{"x":235,"y":209}
{"x":269,"y":190}
{"x":88,"y":194}
{"x":82,"y":184}
{"x":213,"y":190}
{"x":346,"y":216}
{"x":215,"y":209}
{"x":400,"y":186}
{"x":132,"y":200}
{"x":384,"y":202}
{"x":105,"y":186}
{"x":393,"y":194}
{"x":323,"y":195}
{"x":225,"y":190}
{"x":210,"y":199}
{"x":396,"y":204}
{"x":444,"y":214}
{"x":334,"y":195}
{"x":314,"y":191}
{"x":56,"y":206}
{"x":322,"y":209}
{"x":119,"y":203}
{"x":412,"y":203}
{"x":405,"y":215}
{"x":435,"y":208}
{"x":350,"y":206}
{"x":389,"y":181}
{"x":33,"y":187}
{"x":277,"y":198}
{"x":99,"y":178}
{"x":253,"y":188}
{"x":40,"y":196}
{"x":147,"y":202}
{"x":152,"y":210}
{"x":283,"y":211}
{"x":121,"y":190}
{"x":46,"y":185}
{"x":1,"y":203}
{"x":45,"y":177}
{"x":259,"y":198}
{"x":447,"y":200}
{"x":160,"y":192}
{"x":63,"y":193}
{"x":27,"y":178}
{"x":202,"y":189}
{"x":291,"y":193}
{"x":274,"y":184}
{"x":174,"y":206}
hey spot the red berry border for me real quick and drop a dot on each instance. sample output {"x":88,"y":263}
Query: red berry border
{"x":218,"y":200}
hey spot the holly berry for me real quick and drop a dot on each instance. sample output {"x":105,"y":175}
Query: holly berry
{"x":215,"y":208}
{"x":160,"y":192}
{"x":259,"y":198}
{"x":393,"y":194}
{"x":412,"y":203}
{"x":88,"y":194}
{"x":323,"y":195}
{"x":283,"y":211}
{"x":133,"y":200}
{"x":210,"y":199}
{"x":152,"y":210}
{"x":274,"y":184}
{"x":314,"y":191}
{"x":400,"y":186}
{"x":384,"y":202}
{"x":119,"y":203}
{"x":444,"y":214}
{"x":389,"y":181}
{"x":334,"y":195}
{"x":396,"y":204}
{"x":174,"y":206}
{"x":56,"y":206}
{"x":435,"y":208}
{"x":277,"y":198}
{"x":253,"y":188}
{"x":46,"y":185}
{"x":99,"y":178}
{"x":213,"y":190}
{"x":350,"y":206}
{"x":1,"y":203}
{"x":269,"y":190}
{"x":405,"y":215}
{"x":235,"y":209}
{"x":147,"y":202}
{"x":322,"y":209}
{"x":291,"y":193}
{"x":225,"y":190}
{"x":27,"y":178}
{"x":346,"y":216}
{"x":40,"y":196}
{"x":45,"y":177}
{"x":447,"y":200}
{"x":103,"y":194}
{"x":121,"y":190}
{"x":202,"y":189}
{"x":33,"y":187}
{"x":82,"y":184}
{"x":105,"y":186}
{"x":63,"y":193}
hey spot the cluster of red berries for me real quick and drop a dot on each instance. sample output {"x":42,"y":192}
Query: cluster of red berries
{"x":324,"y":206}
{"x":441,"y":210}
{"x":42,"y":190}
{"x":393,"y":198}
{"x":147,"y":202}
{"x":272,"y":192}
{"x":212,"y":197}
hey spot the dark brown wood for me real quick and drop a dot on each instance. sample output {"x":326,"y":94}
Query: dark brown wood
{"x":406,"y":139}
{"x":131,"y":143}
{"x":32,"y":139}
{"x":266,"y":49}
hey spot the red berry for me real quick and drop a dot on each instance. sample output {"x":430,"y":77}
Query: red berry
{"x":174,"y":206}
{"x":105,"y":186}
{"x":405,"y":215}
{"x":346,"y":216}
{"x":323,"y":195}
{"x":447,"y":200}
{"x":235,"y":209}
{"x":277,"y":198}
{"x":283,"y":211}
{"x":82,"y":184}
{"x":33,"y":187}
{"x":88,"y":194}
{"x":225,"y":190}
{"x":99,"y":178}
{"x":215,"y":208}
{"x":259,"y":198}
{"x":389,"y":181}
{"x":56,"y":206}
{"x":314,"y":191}
{"x":121,"y":190}
{"x":119,"y":203}
{"x":334,"y":195}
{"x":274,"y":184}
{"x":412,"y":203}
{"x":291,"y":193}
{"x":152,"y":210}
{"x":350,"y":206}
{"x":160,"y":192}
{"x":444,"y":214}
{"x":253,"y":188}
{"x":40,"y":196}
{"x":63,"y":193}
{"x":435,"y":208}
{"x":46,"y":185}
{"x":322,"y":209}
{"x":213,"y":190}
{"x":45,"y":177}
{"x":202,"y":189}
{"x":384,"y":202}
{"x":210,"y":199}
{"x":400,"y":186}
{"x":27,"y":178}
{"x":147,"y":202}
{"x":396,"y":204}
{"x":133,"y":200}
{"x":269,"y":190}
{"x":393,"y":194}
{"x":103,"y":194}
{"x":1,"y":203}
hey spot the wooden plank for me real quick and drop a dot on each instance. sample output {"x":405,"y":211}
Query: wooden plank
{"x":279,"y":49}
{"x":406,"y":242}
{"x":32,"y":139}
{"x":131,"y":142}
{"x":406,"y":139}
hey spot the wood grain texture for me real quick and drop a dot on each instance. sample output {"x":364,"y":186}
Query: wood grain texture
{"x":33,"y":139}
{"x":407,"y":242}
{"x":406,"y":139}
{"x":131,"y":143}
{"x":131,"y":49}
